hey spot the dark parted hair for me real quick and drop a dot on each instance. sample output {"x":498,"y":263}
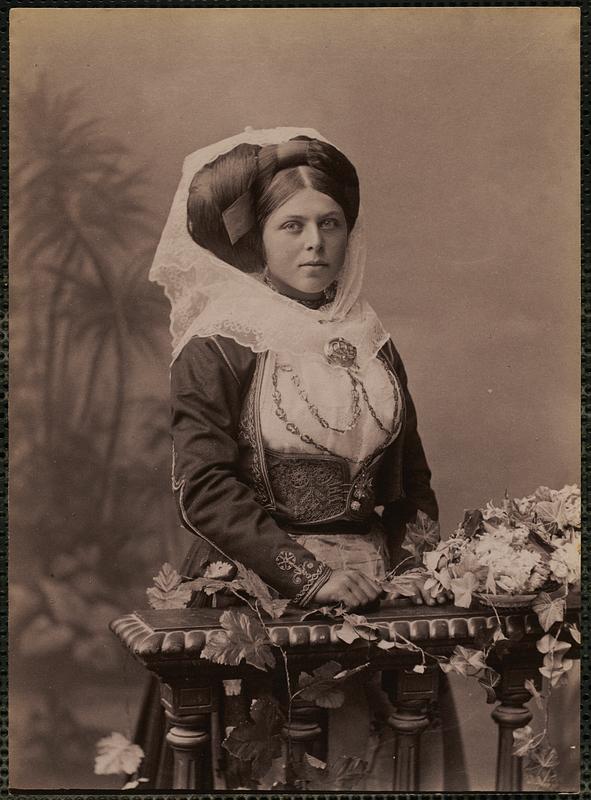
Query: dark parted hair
{"x":269,"y":175}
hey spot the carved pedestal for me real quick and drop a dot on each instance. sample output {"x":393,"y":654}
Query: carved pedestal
{"x":509,"y":715}
{"x":410,"y":692}
{"x":188,"y":710}
{"x":169,"y":642}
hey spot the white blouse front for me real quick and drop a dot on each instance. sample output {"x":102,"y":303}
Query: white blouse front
{"x":331,"y":405}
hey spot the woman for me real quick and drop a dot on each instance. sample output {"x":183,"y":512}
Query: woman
{"x":292,"y":422}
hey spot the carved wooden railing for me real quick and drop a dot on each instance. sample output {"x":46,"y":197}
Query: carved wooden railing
{"x":169,"y":644}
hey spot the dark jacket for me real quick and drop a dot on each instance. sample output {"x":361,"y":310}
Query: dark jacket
{"x":209,"y":383}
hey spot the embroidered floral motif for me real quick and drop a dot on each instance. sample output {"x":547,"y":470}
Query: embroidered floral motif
{"x":286,"y":560}
{"x":305,"y":573}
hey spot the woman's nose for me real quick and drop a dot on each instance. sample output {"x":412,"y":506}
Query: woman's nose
{"x":314,"y":239}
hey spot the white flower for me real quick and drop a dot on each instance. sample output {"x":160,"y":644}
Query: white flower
{"x":218,"y":569}
{"x":565,"y":561}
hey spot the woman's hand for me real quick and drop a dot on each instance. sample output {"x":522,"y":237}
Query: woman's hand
{"x":350,"y":587}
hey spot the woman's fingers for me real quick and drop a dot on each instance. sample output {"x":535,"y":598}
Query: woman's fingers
{"x":369,"y":586}
{"x":426,"y":595}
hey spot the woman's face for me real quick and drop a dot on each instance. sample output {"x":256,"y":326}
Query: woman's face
{"x":305,"y":242}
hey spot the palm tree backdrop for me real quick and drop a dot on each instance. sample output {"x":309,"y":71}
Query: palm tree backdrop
{"x":91,"y":515}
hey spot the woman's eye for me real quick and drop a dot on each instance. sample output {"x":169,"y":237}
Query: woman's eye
{"x":330,"y":223}
{"x":292,"y":226}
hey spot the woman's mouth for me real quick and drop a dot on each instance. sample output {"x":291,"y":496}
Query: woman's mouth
{"x":314,"y":264}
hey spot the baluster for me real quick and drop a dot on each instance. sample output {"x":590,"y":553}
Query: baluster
{"x":410,"y":693}
{"x":306,"y":730}
{"x":188,"y":710}
{"x":237,"y":772}
{"x":509,"y":715}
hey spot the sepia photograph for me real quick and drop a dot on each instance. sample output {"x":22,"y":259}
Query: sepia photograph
{"x":294,"y":416}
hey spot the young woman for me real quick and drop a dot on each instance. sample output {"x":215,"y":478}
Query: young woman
{"x":292,"y":421}
{"x":295,"y":442}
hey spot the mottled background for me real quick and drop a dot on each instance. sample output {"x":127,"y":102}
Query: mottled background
{"x":463,"y":124}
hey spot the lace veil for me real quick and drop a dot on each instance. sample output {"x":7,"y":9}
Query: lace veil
{"x":209,"y":296}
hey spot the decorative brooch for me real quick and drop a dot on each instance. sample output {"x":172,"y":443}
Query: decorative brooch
{"x":341,"y":353}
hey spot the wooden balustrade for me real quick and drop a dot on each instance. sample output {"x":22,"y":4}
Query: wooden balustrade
{"x":169,"y":644}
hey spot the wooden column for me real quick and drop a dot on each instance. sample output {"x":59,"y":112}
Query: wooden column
{"x":410,"y":693}
{"x":188,"y":710}
{"x":509,"y":715}
{"x":305,"y":730}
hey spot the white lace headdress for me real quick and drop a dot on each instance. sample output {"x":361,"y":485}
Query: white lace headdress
{"x":209,"y":296}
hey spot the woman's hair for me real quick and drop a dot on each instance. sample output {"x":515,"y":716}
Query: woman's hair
{"x":231,"y":198}
{"x":213,"y":189}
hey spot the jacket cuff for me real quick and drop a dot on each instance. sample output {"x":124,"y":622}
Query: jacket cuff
{"x":301,"y":578}
{"x":318,"y":583}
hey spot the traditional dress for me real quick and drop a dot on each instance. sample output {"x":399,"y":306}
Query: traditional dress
{"x":293,"y":427}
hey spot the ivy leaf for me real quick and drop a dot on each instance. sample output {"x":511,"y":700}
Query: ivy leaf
{"x":405,"y":584}
{"x":538,"y":698}
{"x":258,"y":740}
{"x":177,"y":598}
{"x":548,"y":610}
{"x":134,"y":784}
{"x":545,"y":756}
{"x":275,"y":608}
{"x":167,"y":579}
{"x":472,"y":523}
{"x":347,"y":633}
{"x":340,"y":775}
{"x":320,"y":687}
{"x":169,"y":591}
{"x":421,"y":535}
{"x":249,"y":582}
{"x":116,"y":755}
{"x":488,"y":681}
{"x":465,"y":661}
{"x":356,"y":626}
{"x":462,"y":589}
{"x":242,"y":638}
{"x":574,"y":632}
{"x":322,"y":611}
{"x":524,"y":741}
{"x":551,"y":644}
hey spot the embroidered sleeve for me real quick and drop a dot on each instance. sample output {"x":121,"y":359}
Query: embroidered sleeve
{"x":213,"y":502}
{"x":307,"y":576}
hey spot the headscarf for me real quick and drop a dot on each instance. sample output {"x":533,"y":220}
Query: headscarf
{"x":210,"y":297}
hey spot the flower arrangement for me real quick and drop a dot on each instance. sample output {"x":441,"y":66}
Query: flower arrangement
{"x":516,"y":550}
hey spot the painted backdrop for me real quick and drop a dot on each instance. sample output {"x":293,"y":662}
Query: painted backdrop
{"x":463,"y":126}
